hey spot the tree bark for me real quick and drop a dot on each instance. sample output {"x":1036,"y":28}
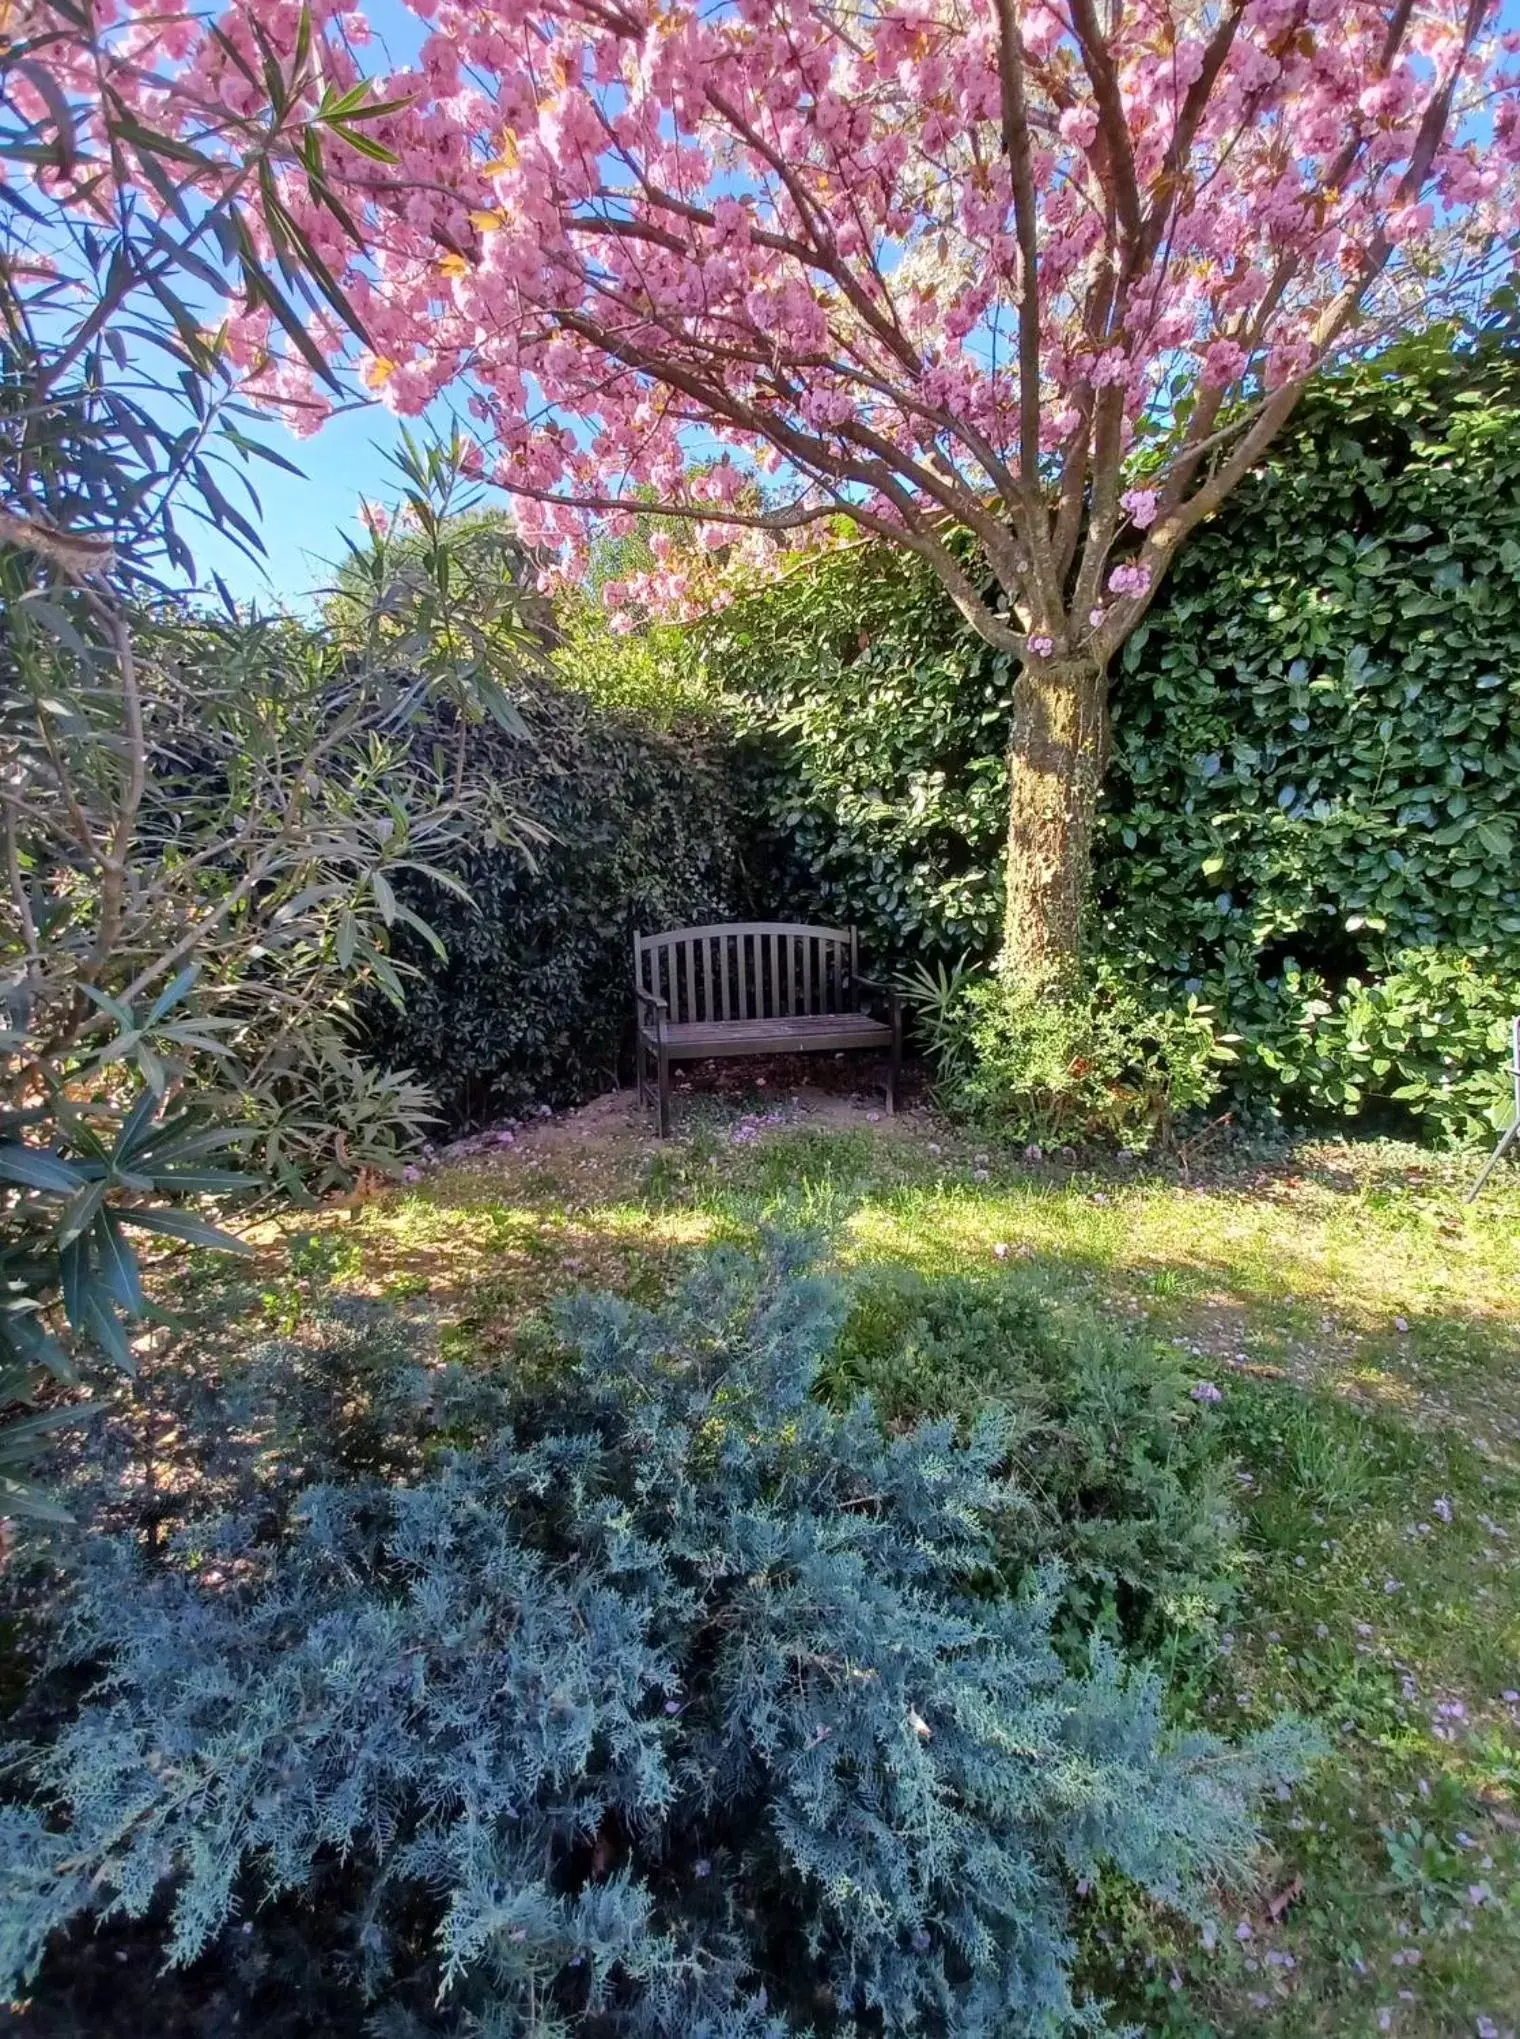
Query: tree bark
{"x":1057,"y":752}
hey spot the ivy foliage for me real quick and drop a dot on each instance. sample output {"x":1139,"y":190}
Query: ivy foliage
{"x":531,"y":1002}
{"x":674,"y":1703}
{"x":1312,"y":807}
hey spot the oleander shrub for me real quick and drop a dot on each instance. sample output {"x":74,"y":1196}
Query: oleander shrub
{"x":647,"y":1694}
{"x":532,"y":1001}
{"x":1122,"y":1474}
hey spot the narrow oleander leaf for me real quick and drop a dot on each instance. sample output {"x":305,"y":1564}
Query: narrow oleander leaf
{"x":117,"y":1263}
{"x":34,"y":1168}
{"x":182,"y":1225}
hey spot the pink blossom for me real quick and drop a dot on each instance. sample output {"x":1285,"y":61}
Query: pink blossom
{"x":1141,"y":505}
{"x":1130,"y":580}
{"x":1223,"y":364}
{"x":788,"y":237}
{"x":1410,"y":223}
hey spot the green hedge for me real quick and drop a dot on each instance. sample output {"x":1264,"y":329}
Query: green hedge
{"x":1315,"y":792}
{"x":1316,"y":789}
{"x":533,"y":1003}
{"x":871,"y":724}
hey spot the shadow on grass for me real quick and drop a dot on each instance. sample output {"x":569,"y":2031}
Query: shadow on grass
{"x":1386,"y":1290}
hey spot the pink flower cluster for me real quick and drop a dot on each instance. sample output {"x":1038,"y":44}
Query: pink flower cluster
{"x":764,"y":261}
{"x":1141,"y":505}
{"x":1130,"y":579}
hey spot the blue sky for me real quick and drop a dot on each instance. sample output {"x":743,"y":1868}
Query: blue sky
{"x":302,"y":518}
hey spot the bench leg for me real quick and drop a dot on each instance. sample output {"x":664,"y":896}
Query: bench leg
{"x":894,"y":1066}
{"x":664,"y":1093}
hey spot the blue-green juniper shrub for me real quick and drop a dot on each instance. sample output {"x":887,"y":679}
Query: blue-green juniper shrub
{"x":676,"y":1702}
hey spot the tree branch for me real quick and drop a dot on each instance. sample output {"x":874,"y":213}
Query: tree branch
{"x":1015,"y":136}
{"x":1112,"y":125}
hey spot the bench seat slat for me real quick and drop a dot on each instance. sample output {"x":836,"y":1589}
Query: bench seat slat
{"x":795,"y":1035}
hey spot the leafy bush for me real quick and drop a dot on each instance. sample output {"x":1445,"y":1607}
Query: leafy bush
{"x":1316,"y":768}
{"x":1316,"y":783}
{"x":1121,"y":1471}
{"x":656,"y":674}
{"x":533,"y":999}
{"x":1430,"y":1032}
{"x":873,"y":726}
{"x":677,"y":1703}
{"x":1084,"y":1064}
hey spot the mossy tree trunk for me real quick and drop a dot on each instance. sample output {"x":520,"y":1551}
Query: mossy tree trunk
{"x":1057,"y":751}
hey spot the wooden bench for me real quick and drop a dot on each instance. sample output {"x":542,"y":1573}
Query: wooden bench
{"x":755,"y":988}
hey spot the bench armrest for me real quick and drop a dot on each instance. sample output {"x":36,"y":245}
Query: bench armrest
{"x":652,"y":1000}
{"x":872,"y":991}
{"x":892,"y":993}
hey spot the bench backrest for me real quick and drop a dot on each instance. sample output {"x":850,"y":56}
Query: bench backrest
{"x":758,"y":969}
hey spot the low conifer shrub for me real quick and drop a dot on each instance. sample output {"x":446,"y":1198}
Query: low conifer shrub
{"x":642,"y":1694}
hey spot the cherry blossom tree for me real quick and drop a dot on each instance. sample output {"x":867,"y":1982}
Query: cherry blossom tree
{"x":1025,"y":286}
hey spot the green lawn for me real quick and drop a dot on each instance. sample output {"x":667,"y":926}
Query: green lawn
{"x":1363,"y":1328}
